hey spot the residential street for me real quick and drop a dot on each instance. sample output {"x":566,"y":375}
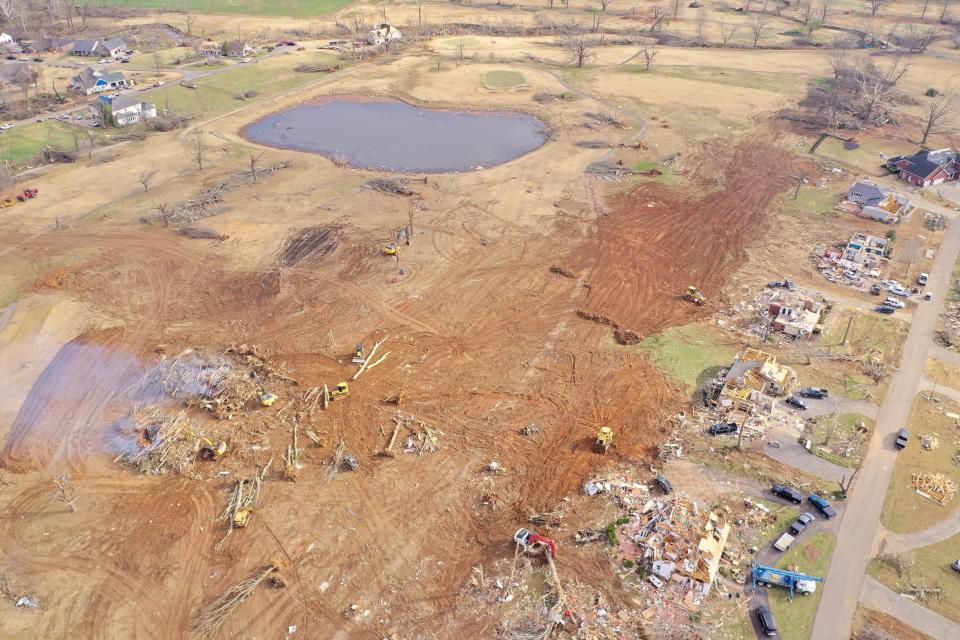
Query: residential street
{"x":876,"y":596}
{"x":861,"y":521}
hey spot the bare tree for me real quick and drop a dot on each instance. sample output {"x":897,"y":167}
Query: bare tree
{"x":146,"y":177}
{"x":926,"y":3}
{"x":595,"y":22}
{"x":702,"y":27}
{"x":825,"y":6}
{"x":649,"y":53}
{"x":200,"y":149}
{"x":604,"y":4}
{"x":807,"y":12}
{"x":943,"y":13}
{"x":676,"y":6}
{"x":163,"y":210}
{"x":254,"y":159}
{"x":579,"y":48}
{"x":873,"y":85}
{"x":727,"y":31}
{"x":918,"y":39}
{"x":838,"y":62}
{"x":940,"y":116}
{"x":64,"y":492}
{"x":657,"y":18}
{"x":875,"y":6}
{"x":758,"y":25}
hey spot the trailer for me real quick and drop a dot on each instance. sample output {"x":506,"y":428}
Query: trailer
{"x":770,"y":576}
{"x":784,"y":542}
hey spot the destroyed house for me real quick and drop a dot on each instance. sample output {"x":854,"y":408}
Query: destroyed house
{"x":753,"y":375}
{"x":680,"y":541}
{"x":795,"y":320}
{"x":925,"y":168}
{"x":864,"y":251}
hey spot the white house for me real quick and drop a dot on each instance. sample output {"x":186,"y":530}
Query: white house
{"x":383,"y":33}
{"x":6,"y":40}
{"x":126,"y":110}
{"x":91,"y":81}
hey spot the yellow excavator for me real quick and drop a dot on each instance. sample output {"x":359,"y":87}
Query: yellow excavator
{"x":266,"y":398}
{"x":211,"y":450}
{"x":342,"y":390}
{"x":604,"y":440}
{"x":241,"y":517}
{"x":694,"y":295}
{"x":391,"y":249}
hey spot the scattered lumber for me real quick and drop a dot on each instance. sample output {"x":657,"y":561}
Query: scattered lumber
{"x":605,"y":119}
{"x":200,"y":233}
{"x":292,"y":457}
{"x":607,"y":169}
{"x":340,"y":458}
{"x":395,"y":186}
{"x":938,"y":487}
{"x":316,"y":68}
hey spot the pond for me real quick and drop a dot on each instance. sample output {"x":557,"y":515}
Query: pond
{"x":397,"y":136}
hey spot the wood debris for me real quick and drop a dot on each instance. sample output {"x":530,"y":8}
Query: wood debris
{"x":340,"y":458}
{"x":395,"y":186}
{"x":156,"y":443}
{"x":211,"y":618}
{"x":203,"y":205}
{"x":938,"y":487}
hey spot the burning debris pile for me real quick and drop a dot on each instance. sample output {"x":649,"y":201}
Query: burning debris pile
{"x":222,"y":383}
{"x":155,"y":443}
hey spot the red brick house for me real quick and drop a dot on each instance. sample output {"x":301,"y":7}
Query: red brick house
{"x":925,"y":168}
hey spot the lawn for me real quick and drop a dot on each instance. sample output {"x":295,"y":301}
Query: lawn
{"x":867,"y":620}
{"x":767,"y":81}
{"x":866,"y":157}
{"x":23,"y":143}
{"x":870,"y":333}
{"x":690,"y":354}
{"x":930,"y":566}
{"x":298,"y":8}
{"x":810,"y":199}
{"x":217,"y":93}
{"x":945,"y":373}
{"x":812,"y":557}
{"x":504,"y":79}
{"x":168,"y":58}
{"x":905,"y":511}
{"x":830,"y":438}
{"x":784,"y":515}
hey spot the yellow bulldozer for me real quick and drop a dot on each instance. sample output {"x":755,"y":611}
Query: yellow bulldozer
{"x":694,"y":295}
{"x":604,"y":440}
{"x":391,"y":249}
{"x":242,"y":517}
{"x":210,"y":450}
{"x":342,"y":390}
{"x":265,"y":397}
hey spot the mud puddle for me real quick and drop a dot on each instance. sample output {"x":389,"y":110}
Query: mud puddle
{"x":396,"y":136}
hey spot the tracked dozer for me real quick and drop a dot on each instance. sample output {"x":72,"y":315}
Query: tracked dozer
{"x":694,"y":295}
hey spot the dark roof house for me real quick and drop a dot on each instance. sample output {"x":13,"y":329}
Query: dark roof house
{"x":925,"y":168}
{"x":91,"y":81}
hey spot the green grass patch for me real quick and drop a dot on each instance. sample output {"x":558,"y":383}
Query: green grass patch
{"x":24,"y":143}
{"x":866,"y":157}
{"x":504,"y":79}
{"x":926,"y":566}
{"x":905,"y":511}
{"x":298,"y":8}
{"x":832,"y":437}
{"x":869,"y":333}
{"x":812,"y":557}
{"x":168,"y":58}
{"x":783,"y":514}
{"x":810,"y":199}
{"x":689,"y":353}
{"x":217,"y":93}
{"x":666,"y":174}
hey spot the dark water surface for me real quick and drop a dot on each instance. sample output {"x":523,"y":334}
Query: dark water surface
{"x":397,"y":136}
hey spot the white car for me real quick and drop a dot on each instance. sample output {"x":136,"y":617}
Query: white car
{"x":893,"y":302}
{"x":890,"y":283}
{"x":103,"y":61}
{"x":899,"y":291}
{"x":6,"y":125}
{"x":923,"y":278}
{"x":245,"y":59}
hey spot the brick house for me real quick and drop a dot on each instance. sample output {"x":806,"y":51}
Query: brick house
{"x":926,"y":168}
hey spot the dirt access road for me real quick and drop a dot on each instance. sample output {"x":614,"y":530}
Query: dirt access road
{"x":845,"y":579}
{"x":484,"y":339}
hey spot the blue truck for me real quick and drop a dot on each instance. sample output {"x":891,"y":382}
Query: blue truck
{"x":769,"y":576}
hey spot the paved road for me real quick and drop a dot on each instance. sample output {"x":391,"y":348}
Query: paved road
{"x":900,"y":542}
{"x":876,"y":596}
{"x":940,"y":389}
{"x":944,"y":354}
{"x":845,"y":578}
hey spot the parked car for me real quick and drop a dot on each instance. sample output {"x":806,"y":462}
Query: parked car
{"x":38,"y":59}
{"x":890,"y":283}
{"x":765,"y":618}
{"x":850,"y":273}
{"x":6,"y":125}
{"x":885,"y":308}
{"x":787,"y":493}
{"x":923,"y":278}
{"x":903,"y":437}
{"x":822,"y":505}
{"x":64,"y":116}
{"x":928,"y":296}
{"x":103,"y":61}
{"x":783,"y":542}
{"x":899,"y":291}
{"x":245,"y":60}
{"x":125,"y":60}
{"x":663,"y":483}
{"x":956,"y":565}
{"x":721,"y":428}
{"x":801,"y":523}
{"x":23,"y":59}
{"x":814,"y":392}
{"x":794,"y":401}
{"x":875,"y":289}
{"x":11,"y":57}
{"x":893,"y":302}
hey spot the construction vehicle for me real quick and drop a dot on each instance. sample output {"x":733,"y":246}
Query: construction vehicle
{"x":531,"y":541}
{"x":241,"y":517}
{"x":694,"y":295}
{"x":359,"y":357}
{"x":6,"y":203}
{"x":391,"y":249}
{"x":210,"y":450}
{"x":266,"y":398}
{"x":342,"y":390}
{"x":604,"y":440}
{"x":28,"y":194}
{"x":768,"y":576}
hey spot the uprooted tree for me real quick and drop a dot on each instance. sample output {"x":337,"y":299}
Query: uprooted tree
{"x":858,"y":94}
{"x":940,"y":116}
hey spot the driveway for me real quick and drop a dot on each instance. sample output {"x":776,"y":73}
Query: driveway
{"x":845,"y":578}
{"x":876,"y":596}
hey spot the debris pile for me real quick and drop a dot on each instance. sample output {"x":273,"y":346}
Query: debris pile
{"x":221,"y":383}
{"x":211,"y":618}
{"x":203,"y":205}
{"x":395,"y":186}
{"x":566,"y":273}
{"x":200,"y":233}
{"x":597,"y":119}
{"x":610,"y":170}
{"x":155,"y":443}
{"x":938,"y":487}
{"x":930,"y":441}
